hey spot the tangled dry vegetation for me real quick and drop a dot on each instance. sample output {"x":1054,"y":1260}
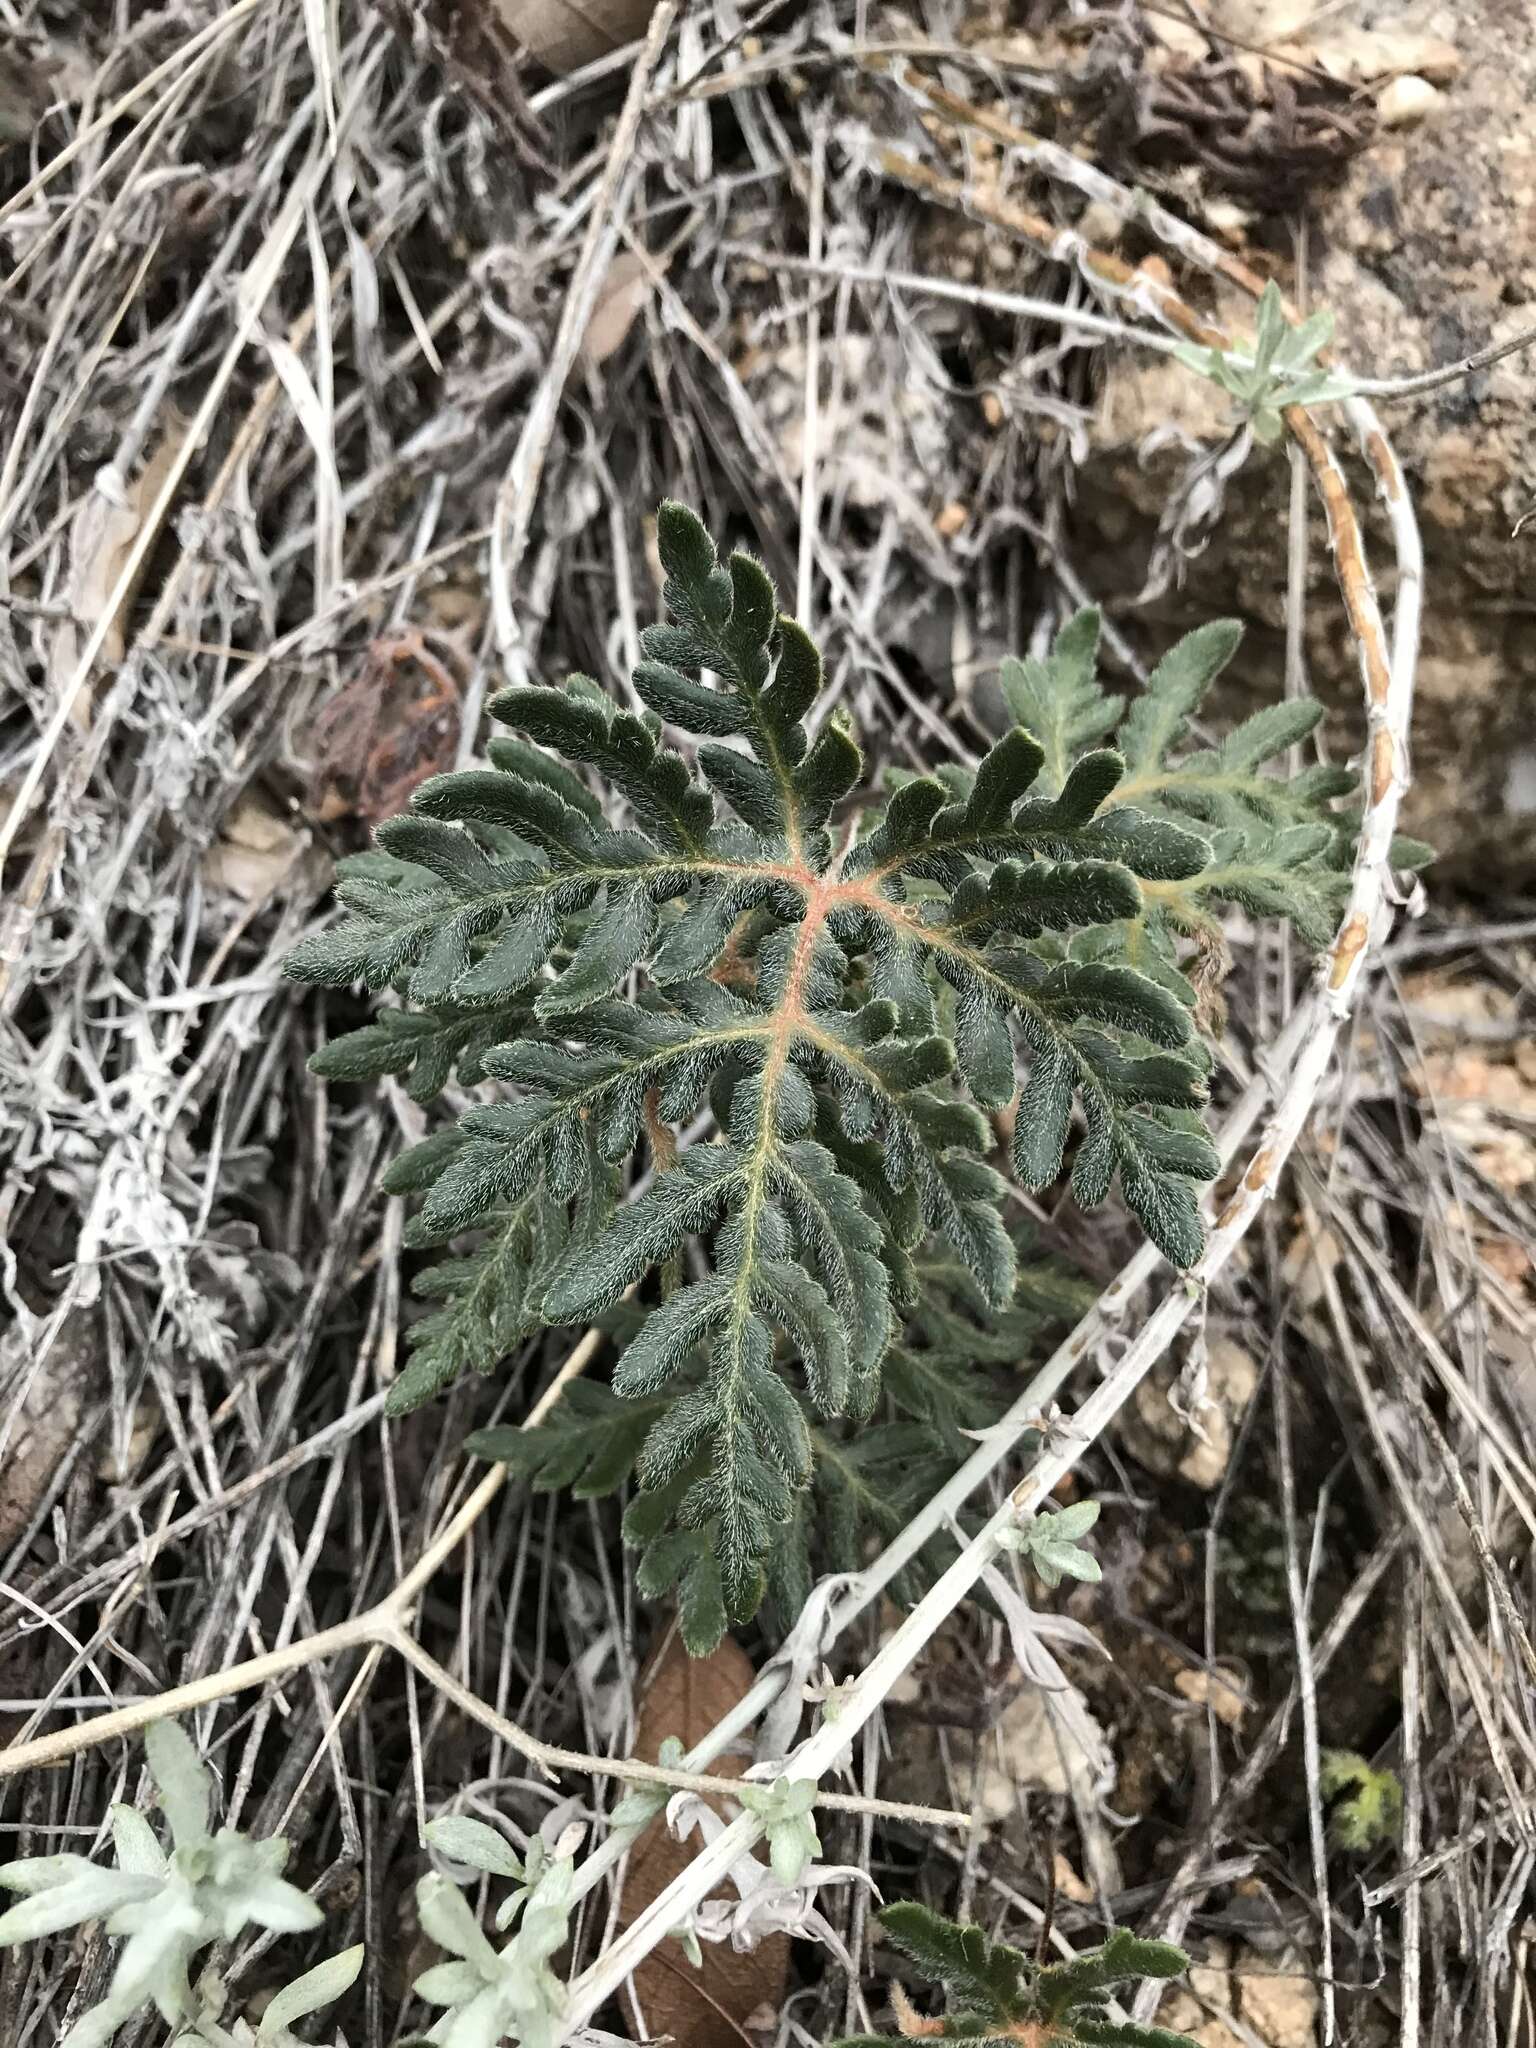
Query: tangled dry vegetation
{"x":342,"y":378}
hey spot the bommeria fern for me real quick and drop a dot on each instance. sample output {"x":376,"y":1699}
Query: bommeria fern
{"x":999,"y":1994}
{"x":802,"y":1011}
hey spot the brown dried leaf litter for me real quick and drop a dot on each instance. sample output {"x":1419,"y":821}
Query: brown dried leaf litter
{"x":735,"y":1991}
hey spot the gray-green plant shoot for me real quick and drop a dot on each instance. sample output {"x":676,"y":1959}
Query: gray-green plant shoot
{"x":1282,"y":371}
{"x":168,"y":1904}
{"x":492,"y":1994}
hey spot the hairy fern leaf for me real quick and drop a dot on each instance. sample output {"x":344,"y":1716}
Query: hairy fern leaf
{"x":1000,"y":1994}
{"x":1272,"y":839}
{"x":743,"y":1066}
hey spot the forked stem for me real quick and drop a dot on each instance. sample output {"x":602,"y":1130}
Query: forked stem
{"x":383,"y":1624}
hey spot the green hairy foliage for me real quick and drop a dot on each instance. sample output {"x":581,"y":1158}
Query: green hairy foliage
{"x":169,"y":1903}
{"x":1050,"y":1542}
{"x":747,"y":1030}
{"x":1000,"y":1994}
{"x":1367,"y":1807}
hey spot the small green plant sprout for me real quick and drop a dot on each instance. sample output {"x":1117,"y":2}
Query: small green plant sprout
{"x":491,"y":1994}
{"x":641,"y":1803}
{"x":785,"y":1809}
{"x":1049,"y":1541}
{"x":306,"y":1995}
{"x":1368,"y":1803}
{"x":1000,"y":1994}
{"x":169,"y":1904}
{"x":750,"y":1022}
{"x":1282,"y":371}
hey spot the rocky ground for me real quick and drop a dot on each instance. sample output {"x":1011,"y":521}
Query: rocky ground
{"x":1421,"y":243}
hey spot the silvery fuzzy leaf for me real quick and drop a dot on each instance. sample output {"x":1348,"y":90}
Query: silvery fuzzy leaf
{"x":448,"y":1984}
{"x":185,"y":1787}
{"x":774,"y":1909}
{"x":509,"y":1909}
{"x":318,"y":1987}
{"x":86,"y":1894}
{"x":136,"y":1845}
{"x":168,"y":1913}
{"x":791,"y":1845}
{"x":798,"y":1656}
{"x":39,"y":1873}
{"x":785,"y":1811}
{"x":1204,"y":361}
{"x":95,"y":2028}
{"x":1066,"y":1561}
{"x":480,"y":2024}
{"x":562,"y":1830}
{"x":546,"y":1914}
{"x":151,"y":1966}
{"x":153,"y":1961}
{"x":1304,"y":340}
{"x":1318,"y":388}
{"x":815,"y":1875}
{"x":475,"y":1843}
{"x":274,"y":1903}
{"x":1271,"y":327}
{"x":687,"y":1811}
{"x":1071,"y":1522}
{"x":446,"y":1916}
{"x":641,"y":1803}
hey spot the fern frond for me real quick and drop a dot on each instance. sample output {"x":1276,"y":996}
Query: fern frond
{"x":830,"y":1023}
{"x":1001,"y":1994}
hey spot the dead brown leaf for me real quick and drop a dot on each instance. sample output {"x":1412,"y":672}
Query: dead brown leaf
{"x":565,"y":34}
{"x":625,"y":291}
{"x":254,"y":853}
{"x":710,"y":2007}
{"x":105,"y":532}
{"x":383,"y":733}
{"x":46,"y":1419}
{"x":1227,"y":1698}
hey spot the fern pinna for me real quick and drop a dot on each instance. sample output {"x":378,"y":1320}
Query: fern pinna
{"x":800,"y":1011}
